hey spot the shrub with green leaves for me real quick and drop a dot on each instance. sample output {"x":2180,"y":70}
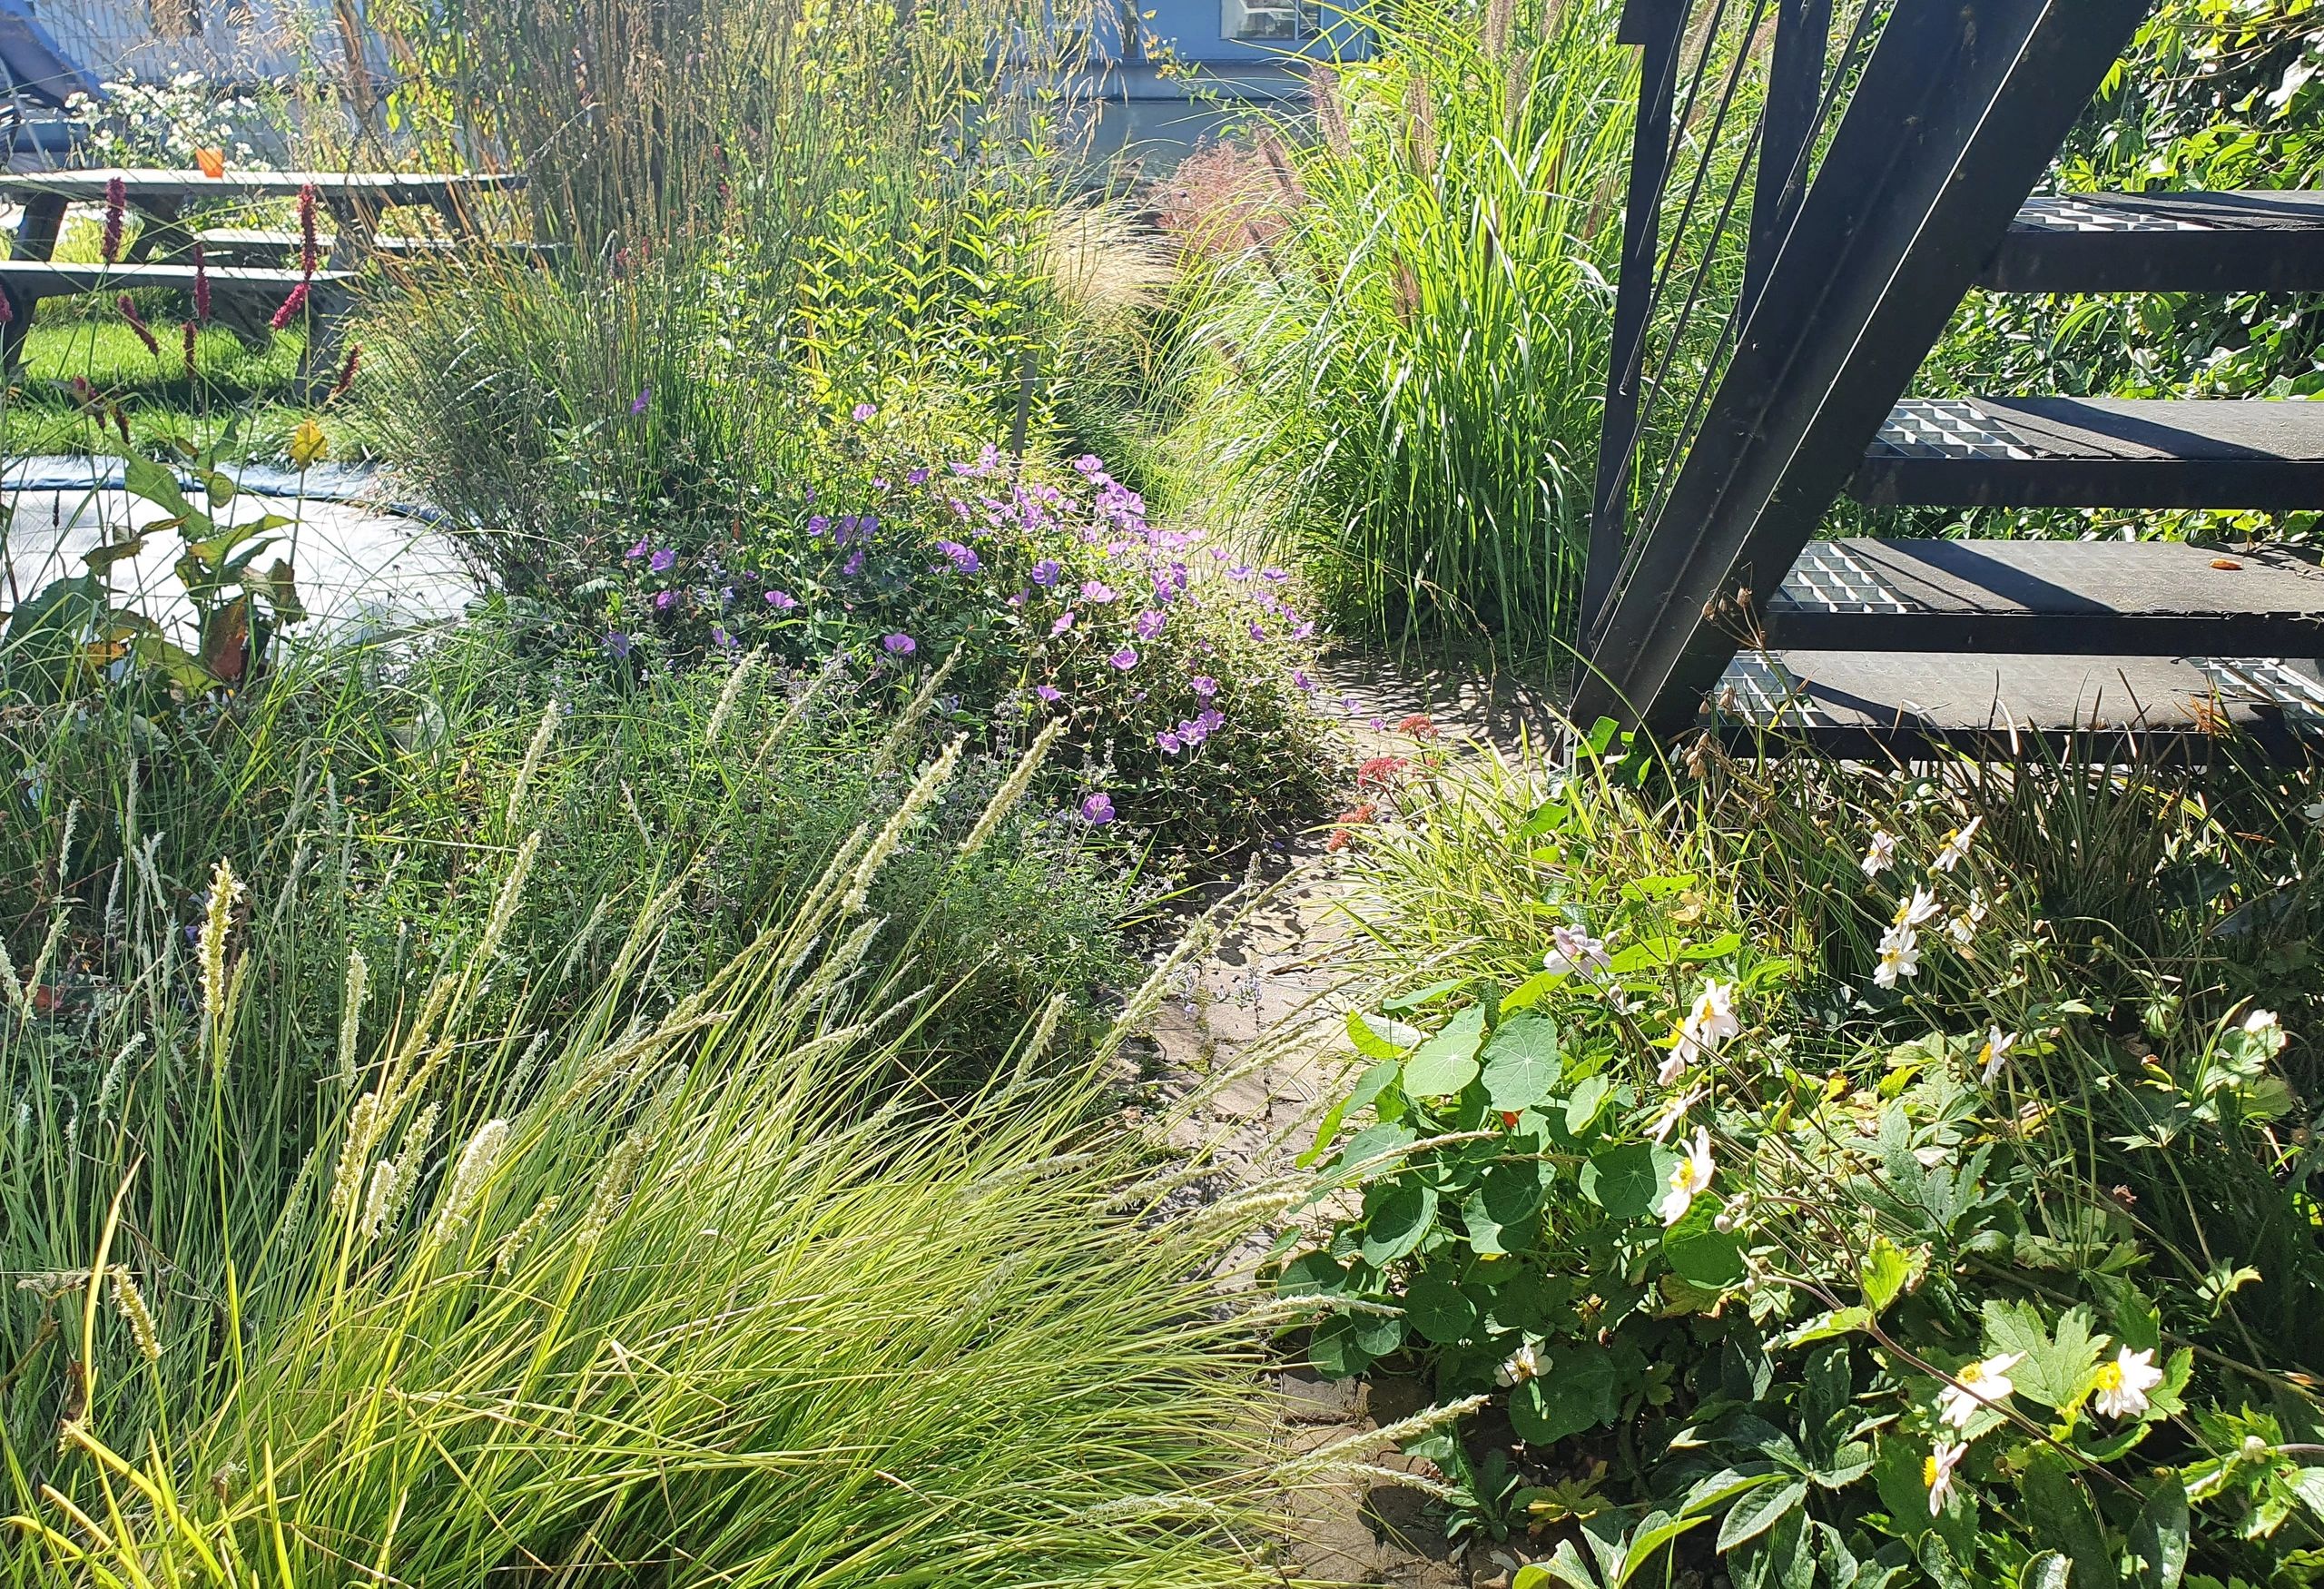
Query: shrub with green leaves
{"x":1797,"y":1184}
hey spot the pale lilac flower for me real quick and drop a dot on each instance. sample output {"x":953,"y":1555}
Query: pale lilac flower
{"x":1147,"y":625}
{"x":782,"y":600}
{"x":637,"y":551}
{"x":1097,"y":592}
{"x":662,"y":560}
{"x":1049,"y":693}
{"x":665,"y":600}
{"x":1300,"y":680}
{"x":1046,"y":572}
{"x":1124,"y":659}
{"x":1167,"y":743}
{"x":1203,"y":685}
{"x":918,"y":476}
{"x":863,"y":412}
{"x":1064,"y":622}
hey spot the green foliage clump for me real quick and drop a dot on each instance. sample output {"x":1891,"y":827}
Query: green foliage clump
{"x":1402,"y":373}
{"x":1846,"y":1169}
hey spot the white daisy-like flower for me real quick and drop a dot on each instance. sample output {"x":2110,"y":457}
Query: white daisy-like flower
{"x":1955,"y":848}
{"x":1900,"y":956}
{"x":1708,"y":1025}
{"x":1573,"y":950}
{"x":1917,"y":911}
{"x":1524,"y":1363}
{"x":2124,"y":1384}
{"x":1690,"y":1176}
{"x":1995,"y":1053}
{"x":1674,"y":1111}
{"x":1977,"y":1384}
{"x":1880,"y":854}
{"x":1937,"y":1471}
{"x":1963,"y":926}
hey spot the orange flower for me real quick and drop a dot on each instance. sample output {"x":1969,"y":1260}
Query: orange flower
{"x":212,"y":161}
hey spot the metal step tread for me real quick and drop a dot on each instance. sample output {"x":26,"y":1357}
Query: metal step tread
{"x":2246,"y":242}
{"x":2097,"y":452}
{"x":2091,"y":597}
{"x":1855,"y":703}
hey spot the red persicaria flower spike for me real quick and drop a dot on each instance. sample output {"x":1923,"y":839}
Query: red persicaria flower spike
{"x":116,"y":211}
{"x":290,"y":308}
{"x":200,"y":282}
{"x":7,"y":308}
{"x":188,"y":349}
{"x":307,"y":251}
{"x":128,"y":307}
{"x":346,"y":371}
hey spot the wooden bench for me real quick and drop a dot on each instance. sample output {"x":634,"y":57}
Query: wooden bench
{"x":253,"y":245}
{"x":243,"y":299}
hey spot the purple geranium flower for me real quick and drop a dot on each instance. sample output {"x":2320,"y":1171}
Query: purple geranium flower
{"x":900,"y":644}
{"x":1203,"y":685}
{"x":1299,"y":678}
{"x":863,"y":412}
{"x":818,"y":524}
{"x":1168,"y":743}
{"x":1097,"y":592}
{"x":666,"y":600}
{"x":662,"y":560}
{"x":1046,"y":572}
{"x":1019,"y":599}
{"x":854,"y":564}
{"x":963,"y":560}
{"x":1148,"y":623}
{"x":1126,"y":658}
{"x":1049,"y":693}
{"x":644,"y":396}
{"x":918,"y":476}
{"x":1098,"y":810}
{"x":782,"y":600}
{"x":617,"y":642}
{"x":1090,"y":465}
{"x":722,"y":639}
{"x":637,"y":551}
{"x":1064,"y":622}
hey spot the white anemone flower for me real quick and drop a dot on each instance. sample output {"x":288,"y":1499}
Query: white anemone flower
{"x":1917,"y":911}
{"x":1977,"y":1384}
{"x":1674,"y":1111}
{"x":1574,"y":950}
{"x":1937,"y":1471}
{"x":1524,"y":1363}
{"x":1964,"y":927}
{"x":1995,"y":1053}
{"x":1900,"y":956}
{"x":2124,"y":1384}
{"x":1880,"y":854}
{"x":1955,"y":848}
{"x":1707,"y":1027}
{"x":1690,"y":1176}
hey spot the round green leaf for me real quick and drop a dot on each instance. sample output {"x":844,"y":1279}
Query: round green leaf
{"x":1522,"y":1062}
{"x":1625,"y":1182}
{"x":1702,"y":1254}
{"x":1378,"y":1334}
{"x":1311,"y":1274}
{"x":1397,"y":1216}
{"x":1511,"y":1192}
{"x":1447,"y":1063}
{"x":1435,"y":1306}
{"x":1589,"y":1101}
{"x":1577,"y":1392}
{"x":1334,"y":1351}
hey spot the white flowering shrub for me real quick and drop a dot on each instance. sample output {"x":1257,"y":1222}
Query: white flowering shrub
{"x":1809,"y":1200}
{"x":130,"y":122}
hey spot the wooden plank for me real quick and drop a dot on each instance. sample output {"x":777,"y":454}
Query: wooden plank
{"x":2097,"y":452}
{"x":2154,"y":598}
{"x":1872,"y":705}
{"x":56,"y":277}
{"x":157,"y":184}
{"x":2163,"y":242}
{"x":1956,"y":114}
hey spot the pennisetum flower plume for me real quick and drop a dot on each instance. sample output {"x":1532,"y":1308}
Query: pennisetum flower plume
{"x":351,"y":1011}
{"x":542,"y":736}
{"x":727,"y":697}
{"x":1324,"y":87}
{"x":1012,"y":788}
{"x":130,"y":1303}
{"x":922,"y":795}
{"x":225,"y":890}
{"x":473,"y":1169}
{"x":512,"y":889}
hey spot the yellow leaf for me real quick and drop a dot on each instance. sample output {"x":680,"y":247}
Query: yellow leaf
{"x":309,"y":445}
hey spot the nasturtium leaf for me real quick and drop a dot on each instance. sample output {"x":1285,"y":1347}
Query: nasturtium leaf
{"x":1701,"y":1253}
{"x":1311,"y":1274}
{"x":1333,"y":1350}
{"x":1529,"y":992}
{"x":1577,"y":1391}
{"x":1522,"y":1062}
{"x":1439,"y":1309}
{"x":1376,"y":1037}
{"x":1510,"y":1193}
{"x":1397,"y":1216}
{"x":1447,"y":1063}
{"x":1581,"y":1109}
{"x":1378,"y":1334}
{"x":1759,"y":1510}
{"x":1625,"y":1182}
{"x":1374,"y":1140}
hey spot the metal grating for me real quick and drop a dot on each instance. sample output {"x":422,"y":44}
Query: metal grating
{"x":2265,"y":681}
{"x":2079,"y":215}
{"x":1758,"y":690}
{"x":1945,"y":427}
{"x":1829,"y":578}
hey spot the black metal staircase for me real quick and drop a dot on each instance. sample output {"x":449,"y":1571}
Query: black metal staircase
{"x":1763,"y":348}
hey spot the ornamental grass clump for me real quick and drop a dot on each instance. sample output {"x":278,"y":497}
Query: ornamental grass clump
{"x":1401,"y":337}
{"x":661,"y":1288}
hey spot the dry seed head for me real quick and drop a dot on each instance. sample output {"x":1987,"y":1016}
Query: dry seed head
{"x":727,"y":697}
{"x":50,"y":1284}
{"x":1324,"y":89}
{"x":542,"y":737}
{"x":130,"y":1303}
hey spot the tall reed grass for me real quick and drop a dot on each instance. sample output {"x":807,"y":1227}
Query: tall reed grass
{"x":1399,"y":380}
